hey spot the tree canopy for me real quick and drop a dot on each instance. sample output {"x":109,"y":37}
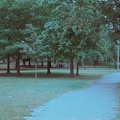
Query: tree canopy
{"x":72,"y":30}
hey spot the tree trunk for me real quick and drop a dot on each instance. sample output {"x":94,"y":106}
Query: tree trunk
{"x":48,"y":67}
{"x":71,"y":67}
{"x":42,"y":64}
{"x":77,"y":71}
{"x":8,"y":63}
{"x":8,"y":59}
{"x":36,"y":66}
{"x":50,"y":64}
{"x":18,"y":64}
{"x":29,"y":63}
{"x":23,"y":61}
{"x":109,"y":65}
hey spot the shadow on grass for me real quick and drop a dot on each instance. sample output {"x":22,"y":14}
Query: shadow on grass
{"x":52,"y":75}
{"x":31,"y":74}
{"x":56,"y":73}
{"x":8,"y":75}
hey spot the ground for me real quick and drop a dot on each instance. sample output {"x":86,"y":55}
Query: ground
{"x":20,"y":95}
{"x":97,"y":102}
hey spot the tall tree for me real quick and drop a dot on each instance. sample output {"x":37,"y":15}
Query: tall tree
{"x":14,"y":16}
{"x":74,"y":27}
{"x":111,"y":19}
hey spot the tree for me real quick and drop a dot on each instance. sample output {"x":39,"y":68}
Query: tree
{"x":74,"y":28}
{"x":37,"y":34}
{"x":111,"y":19}
{"x":32,"y":46}
{"x":47,"y":30}
{"x":14,"y":17}
{"x":5,"y":29}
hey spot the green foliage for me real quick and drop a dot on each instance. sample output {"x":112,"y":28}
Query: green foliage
{"x":30,"y":45}
{"x":58,"y":29}
{"x":111,"y":14}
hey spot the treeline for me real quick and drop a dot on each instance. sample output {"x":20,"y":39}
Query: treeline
{"x":46,"y":30}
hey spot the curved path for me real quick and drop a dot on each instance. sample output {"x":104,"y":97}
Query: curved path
{"x":97,"y":102}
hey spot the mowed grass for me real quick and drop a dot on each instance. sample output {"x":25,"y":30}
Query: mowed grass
{"x":20,"y":95}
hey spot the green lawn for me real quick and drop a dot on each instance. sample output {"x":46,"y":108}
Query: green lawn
{"x":20,"y":95}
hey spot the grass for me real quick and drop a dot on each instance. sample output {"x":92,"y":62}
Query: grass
{"x":20,"y":95}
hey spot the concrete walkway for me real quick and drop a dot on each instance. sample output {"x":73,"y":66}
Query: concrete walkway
{"x":97,"y":102}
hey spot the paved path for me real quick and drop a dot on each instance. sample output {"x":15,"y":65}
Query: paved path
{"x":98,"y":102}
